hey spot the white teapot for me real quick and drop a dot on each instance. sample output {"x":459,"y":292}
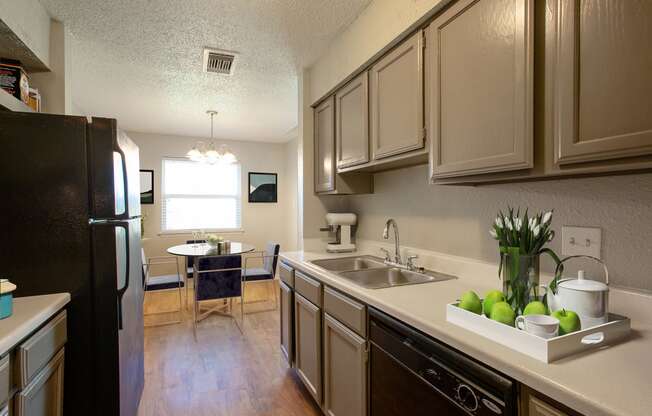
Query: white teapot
{"x":588,"y":298}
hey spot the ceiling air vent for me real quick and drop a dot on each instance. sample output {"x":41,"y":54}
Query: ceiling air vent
{"x":219,"y":62}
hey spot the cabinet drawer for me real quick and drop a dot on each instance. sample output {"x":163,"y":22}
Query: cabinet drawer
{"x":286,"y":273}
{"x":346,"y":310}
{"x":308,"y":287}
{"x":37,"y":351}
{"x":44,"y":394}
{"x":5,"y":379}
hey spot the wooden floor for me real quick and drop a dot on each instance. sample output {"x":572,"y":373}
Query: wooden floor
{"x":223,"y":372}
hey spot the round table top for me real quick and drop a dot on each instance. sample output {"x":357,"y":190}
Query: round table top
{"x":206,"y":250}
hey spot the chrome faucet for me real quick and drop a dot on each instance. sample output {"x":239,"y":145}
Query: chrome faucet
{"x":397,"y":248}
{"x":397,"y":261}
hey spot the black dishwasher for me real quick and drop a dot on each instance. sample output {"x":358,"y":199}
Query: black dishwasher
{"x":413,"y":375}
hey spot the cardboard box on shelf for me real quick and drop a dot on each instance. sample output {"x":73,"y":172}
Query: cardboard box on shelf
{"x":34,"y":100}
{"x":13,"y":79}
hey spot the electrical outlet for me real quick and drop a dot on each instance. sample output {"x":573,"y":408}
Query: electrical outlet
{"x":581,"y":241}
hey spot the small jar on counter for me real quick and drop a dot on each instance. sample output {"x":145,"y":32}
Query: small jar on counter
{"x":6,"y":298}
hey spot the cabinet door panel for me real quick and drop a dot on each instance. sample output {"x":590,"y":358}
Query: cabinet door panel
{"x":287,"y":320}
{"x":308,"y":360}
{"x":345,"y":370}
{"x":481,"y":57}
{"x":44,"y":395}
{"x":538,"y":408}
{"x":352,"y":123}
{"x":325,"y":146}
{"x":602,"y":82}
{"x":396,"y":94}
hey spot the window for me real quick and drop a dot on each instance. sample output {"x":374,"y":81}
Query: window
{"x":200,"y":196}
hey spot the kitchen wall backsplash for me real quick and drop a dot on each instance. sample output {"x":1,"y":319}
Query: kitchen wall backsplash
{"x":456,"y":220}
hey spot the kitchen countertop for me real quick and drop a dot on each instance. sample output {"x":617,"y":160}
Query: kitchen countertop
{"x":612,"y":381}
{"x":29,"y":313}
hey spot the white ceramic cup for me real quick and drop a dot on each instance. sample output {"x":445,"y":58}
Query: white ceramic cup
{"x":543,"y":326}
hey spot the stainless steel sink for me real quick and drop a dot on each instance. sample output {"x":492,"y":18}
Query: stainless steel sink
{"x":391,"y":276}
{"x":343,"y":264}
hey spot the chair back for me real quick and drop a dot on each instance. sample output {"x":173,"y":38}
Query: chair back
{"x":271,"y":257}
{"x":190,"y":260}
{"x":219,"y":284}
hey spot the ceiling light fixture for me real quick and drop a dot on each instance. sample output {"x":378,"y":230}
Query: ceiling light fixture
{"x":203,"y":152}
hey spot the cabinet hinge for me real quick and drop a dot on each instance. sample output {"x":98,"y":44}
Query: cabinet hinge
{"x":366,"y":352}
{"x":423,"y":39}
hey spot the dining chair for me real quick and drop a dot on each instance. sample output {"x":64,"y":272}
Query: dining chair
{"x":161,"y":282}
{"x":218,"y":277}
{"x":190,"y":261}
{"x":268,"y":261}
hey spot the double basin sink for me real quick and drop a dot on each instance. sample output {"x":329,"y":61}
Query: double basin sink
{"x":372,"y":273}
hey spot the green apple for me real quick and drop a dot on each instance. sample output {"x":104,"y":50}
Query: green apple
{"x":490,"y":300}
{"x":503,"y":313}
{"x":569,"y":321}
{"x":470,"y":301}
{"x":535,"y":308}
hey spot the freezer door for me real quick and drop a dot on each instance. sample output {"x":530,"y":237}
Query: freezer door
{"x":46,"y":237}
{"x":114,"y":169}
{"x":119,"y":315}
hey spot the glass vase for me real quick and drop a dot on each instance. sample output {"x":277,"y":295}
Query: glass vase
{"x":520,"y":275}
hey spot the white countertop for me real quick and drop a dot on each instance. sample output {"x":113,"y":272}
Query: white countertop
{"x":29,"y":313}
{"x":615,"y":380}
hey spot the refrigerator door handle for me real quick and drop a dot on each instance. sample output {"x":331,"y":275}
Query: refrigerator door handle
{"x":125,"y":178}
{"x":121,"y":290}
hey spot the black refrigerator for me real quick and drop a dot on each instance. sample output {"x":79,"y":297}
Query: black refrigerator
{"x":70,"y":222}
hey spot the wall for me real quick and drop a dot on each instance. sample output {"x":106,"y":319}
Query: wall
{"x":375,"y":27}
{"x":261,"y":222}
{"x":56,"y":86}
{"x":455,"y":220}
{"x":291,"y":190}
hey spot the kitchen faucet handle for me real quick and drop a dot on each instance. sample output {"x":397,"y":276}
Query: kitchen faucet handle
{"x":410,"y":261}
{"x":388,"y":257}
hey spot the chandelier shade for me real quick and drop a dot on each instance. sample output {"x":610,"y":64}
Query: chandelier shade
{"x":207,"y":153}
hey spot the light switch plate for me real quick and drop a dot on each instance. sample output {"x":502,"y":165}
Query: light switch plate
{"x":581,"y":241}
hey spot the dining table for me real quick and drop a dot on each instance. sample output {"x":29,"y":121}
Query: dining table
{"x":204,"y":249}
{"x":199,"y":250}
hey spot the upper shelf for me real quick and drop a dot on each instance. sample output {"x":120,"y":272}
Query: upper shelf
{"x":11,"y":103}
{"x":12,"y":47}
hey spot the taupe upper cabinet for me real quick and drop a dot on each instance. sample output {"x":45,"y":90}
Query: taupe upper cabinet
{"x":481,"y":87}
{"x":325,"y":146}
{"x":396,"y":100}
{"x":602,"y":79}
{"x":352,"y":123}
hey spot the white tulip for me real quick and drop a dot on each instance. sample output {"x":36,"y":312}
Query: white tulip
{"x":532,"y":223}
{"x":509,"y":224}
{"x":518,"y":223}
{"x":547,"y":217}
{"x":499,"y":222}
{"x":536,"y":231}
{"x":492,"y":233}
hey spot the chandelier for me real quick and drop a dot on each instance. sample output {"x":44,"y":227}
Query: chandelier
{"x":208,"y":153}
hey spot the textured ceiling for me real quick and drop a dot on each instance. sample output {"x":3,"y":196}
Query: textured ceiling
{"x":140,"y":61}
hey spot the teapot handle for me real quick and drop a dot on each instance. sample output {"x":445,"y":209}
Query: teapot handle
{"x":604,"y":266}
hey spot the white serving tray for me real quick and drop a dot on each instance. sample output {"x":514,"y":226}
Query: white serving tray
{"x":546,"y":350}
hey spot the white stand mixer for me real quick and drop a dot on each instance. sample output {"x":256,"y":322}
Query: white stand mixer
{"x":341,"y":225}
